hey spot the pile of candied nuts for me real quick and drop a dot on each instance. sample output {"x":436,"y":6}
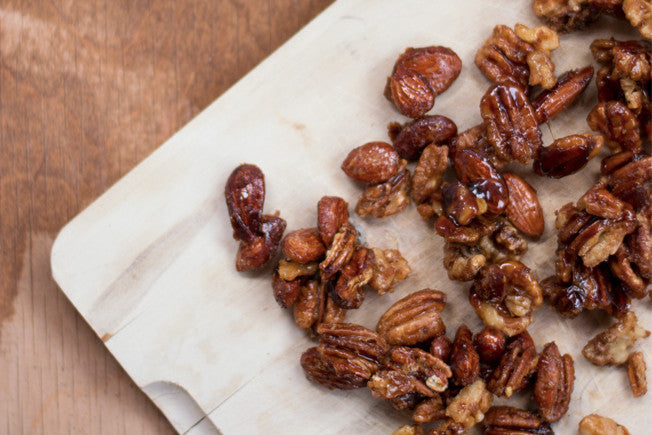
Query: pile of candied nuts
{"x":485,"y":215}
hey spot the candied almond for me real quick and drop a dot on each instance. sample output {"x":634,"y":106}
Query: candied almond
{"x":373,"y":162}
{"x":523,"y":209}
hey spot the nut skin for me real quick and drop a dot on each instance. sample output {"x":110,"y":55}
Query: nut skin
{"x":523,"y":209}
{"x":501,"y":420}
{"x":245,"y":195}
{"x":570,"y":85}
{"x":385,"y":199}
{"x":413,"y":137}
{"x":567,"y":155}
{"x":255,"y":254}
{"x":332,"y":213}
{"x":516,"y":366}
{"x":636,"y":374}
{"x":414,"y":318}
{"x":490,"y":345}
{"x":594,"y":424}
{"x":303,"y":246}
{"x":373,"y":162}
{"x":464,"y":359}
{"x":554,"y":383}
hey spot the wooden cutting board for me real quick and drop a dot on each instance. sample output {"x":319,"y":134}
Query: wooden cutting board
{"x":150,"y":264}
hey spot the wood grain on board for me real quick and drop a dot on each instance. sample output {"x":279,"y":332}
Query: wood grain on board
{"x":87,"y":90}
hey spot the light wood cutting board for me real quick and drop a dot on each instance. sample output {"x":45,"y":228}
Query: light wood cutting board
{"x":150,"y":264}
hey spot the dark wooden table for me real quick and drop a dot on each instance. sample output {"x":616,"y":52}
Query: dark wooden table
{"x":88,"y":89}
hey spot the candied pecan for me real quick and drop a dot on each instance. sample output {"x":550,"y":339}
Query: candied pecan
{"x":441,"y":347}
{"x":429,"y":410}
{"x":408,"y":429}
{"x":332,"y":213}
{"x":594,"y":424}
{"x":639,"y":14}
{"x":303,"y":246}
{"x":423,"y":366}
{"x":385,"y":199}
{"x":523,"y":209}
{"x":391,"y":384}
{"x":567,"y":155}
{"x":469,"y":405}
{"x":464,"y":359}
{"x":340,"y":252}
{"x":490,"y":345}
{"x":565,"y":15}
{"x":636,"y":373}
{"x":245,"y":195}
{"x":618,"y":124}
{"x":460,"y":204}
{"x":413,"y":137}
{"x":389,"y":267}
{"x":373,"y":162}
{"x":482,"y":179}
{"x":602,"y":50}
{"x":639,"y":245}
{"x":347,"y":356}
{"x":570,"y":85}
{"x":611,"y":346}
{"x":290,"y":270}
{"x":622,"y":269}
{"x":500,"y":420}
{"x":414,"y":318}
{"x":463,"y":262}
{"x":429,"y":173}
{"x":407,"y":401}
{"x":475,"y":139}
{"x":285,"y":292}
{"x":332,"y":312}
{"x":504,"y":295}
{"x":254,"y":254}
{"x":633,"y":184}
{"x":349,"y":289}
{"x":503,"y":58}
{"x":598,"y":201}
{"x":554,"y":384}
{"x":516,"y":366}
{"x":615,"y":161}
{"x":309,"y":304}
{"x":512,"y":128}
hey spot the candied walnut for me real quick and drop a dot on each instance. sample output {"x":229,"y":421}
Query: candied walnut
{"x":245,"y":195}
{"x":554,"y":383}
{"x":633,"y":184}
{"x":422,"y":366}
{"x":373,"y":162}
{"x":639,"y":14}
{"x":541,"y":37}
{"x":503,"y":58}
{"x":567,"y":155}
{"x":507,"y":241}
{"x":254,"y":254}
{"x":602,"y":50}
{"x":385,"y":199}
{"x":501,"y":420}
{"x":516,"y":366}
{"x":309,"y":304}
{"x":411,"y":139}
{"x":349,"y":289}
{"x":414,"y":318}
{"x":523,"y":209}
{"x":618,"y":124}
{"x":565,"y":15}
{"x":303,"y":246}
{"x":512,"y":128}
{"x":490,"y":345}
{"x":482,"y":179}
{"x":340,"y":252}
{"x":448,"y":427}
{"x":408,"y":429}
{"x":636,"y":373}
{"x":460,"y":204}
{"x":595,"y":424}
{"x":332,"y":213}
{"x":631,"y":60}
{"x":429,"y":173}
{"x":429,"y":410}
{"x":570,"y":85}
{"x":611,"y":346}
{"x":600,"y":239}
{"x":622,"y":269}
{"x":441,"y":347}
{"x":542,"y":70}
{"x":290,"y":270}
{"x":464,"y":359}
{"x":454,"y":233}
{"x":285,"y":292}
{"x":346,"y":358}
{"x":469,"y":405}
{"x":463,"y":262}
{"x":504,"y":295}
{"x":389,"y":267}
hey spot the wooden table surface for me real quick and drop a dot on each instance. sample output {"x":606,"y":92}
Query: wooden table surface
{"x":88,"y":89}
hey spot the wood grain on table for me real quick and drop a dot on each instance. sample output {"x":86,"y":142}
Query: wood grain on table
{"x":88,"y":89}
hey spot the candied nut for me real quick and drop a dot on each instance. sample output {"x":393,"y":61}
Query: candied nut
{"x":410,"y":93}
{"x":391,"y":384}
{"x":618,"y":124}
{"x":508,"y":242}
{"x":639,"y":14}
{"x":290,"y":270}
{"x":599,"y":240}
{"x":567,"y":155}
{"x":470,"y":404}
{"x":482,"y":178}
{"x":636,"y":373}
{"x":542,"y":69}
{"x":389,"y":267}
{"x":349,"y":290}
{"x":516,"y":366}
{"x":408,"y":429}
{"x":448,"y":427}
{"x":462,"y":262}
{"x":332,"y":213}
{"x":541,"y":37}
{"x":414,"y":318}
{"x":595,"y":424}
{"x":464,"y":360}
{"x":309,"y":304}
{"x":332,"y":312}
{"x":385,"y":199}
{"x":565,"y":15}
{"x":303,"y":246}
{"x":455,"y":233}
{"x":631,"y":60}
{"x":407,"y":401}
{"x":459,"y":203}
{"x":554,"y":384}
{"x":639,"y":245}
{"x":285,"y":292}
{"x":441,"y":347}
{"x":353,"y":337}
{"x":245,"y":195}
{"x":416,"y":135}
{"x":503,"y":58}
{"x":431,"y":409}
{"x":475,"y":139}
{"x":429,"y":173}
{"x":602,"y":50}
{"x":424,"y":367}
{"x":340,"y":252}
{"x":500,"y":420}
{"x":598,"y":201}
{"x":254,"y":254}
{"x":611,"y":346}
{"x":512,"y":128}
{"x":615,"y":161}
{"x":523,"y":209}
{"x":554,"y":101}
{"x":373,"y":162}
{"x":633,"y":184}
{"x":490,"y":345}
